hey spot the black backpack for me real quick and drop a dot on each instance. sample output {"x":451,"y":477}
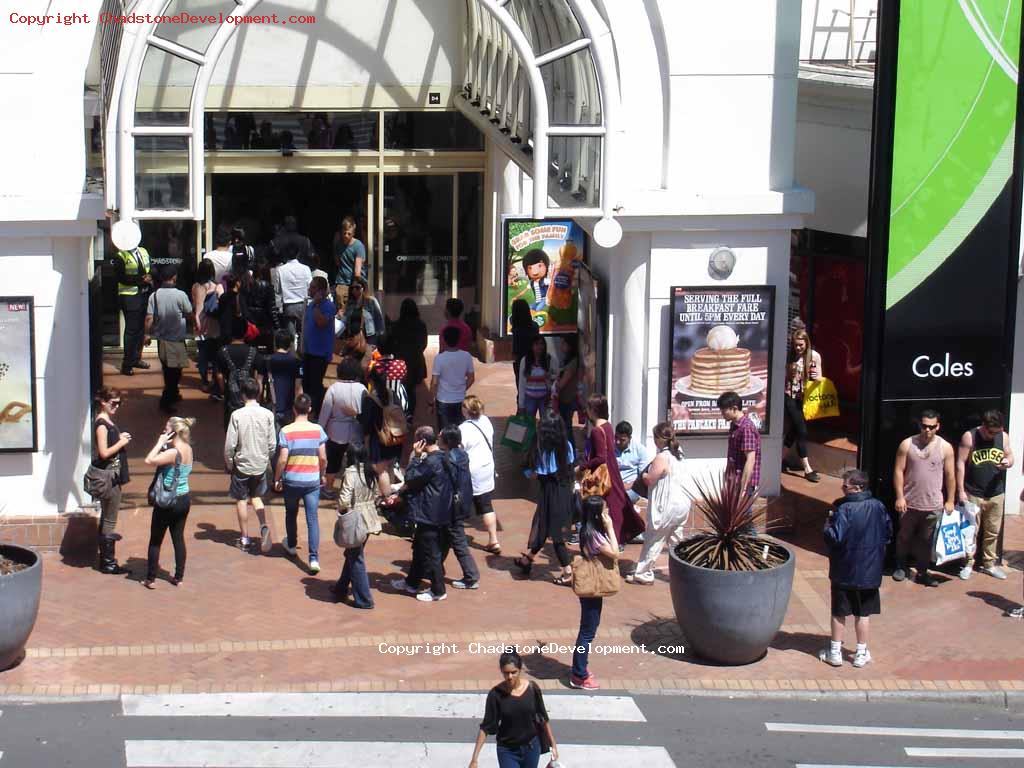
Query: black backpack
{"x":233,"y":398}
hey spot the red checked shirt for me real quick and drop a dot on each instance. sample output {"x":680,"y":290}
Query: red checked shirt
{"x":743,"y":438}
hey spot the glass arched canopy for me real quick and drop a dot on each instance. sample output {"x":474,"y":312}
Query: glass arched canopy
{"x":539,"y":80}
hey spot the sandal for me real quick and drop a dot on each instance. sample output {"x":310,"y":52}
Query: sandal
{"x":494,"y":549}
{"x":563,"y":579}
{"x":523,"y":563}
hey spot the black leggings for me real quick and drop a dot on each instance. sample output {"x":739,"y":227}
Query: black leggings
{"x":796,"y":429}
{"x":168,"y":519}
{"x":561,"y":553}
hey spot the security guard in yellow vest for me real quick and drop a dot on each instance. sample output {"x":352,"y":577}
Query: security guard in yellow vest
{"x":134,"y":280}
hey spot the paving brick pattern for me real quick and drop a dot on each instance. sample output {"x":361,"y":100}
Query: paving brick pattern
{"x":262,"y":623}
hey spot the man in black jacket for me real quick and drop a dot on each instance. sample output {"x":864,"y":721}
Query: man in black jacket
{"x":428,"y":490}
{"x":856,"y":535}
{"x":458,"y":461}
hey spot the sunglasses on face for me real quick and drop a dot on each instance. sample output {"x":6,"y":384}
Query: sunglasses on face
{"x":930,"y":427}
{"x":115,"y":403}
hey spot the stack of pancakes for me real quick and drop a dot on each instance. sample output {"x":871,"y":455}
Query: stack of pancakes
{"x":717,"y":371}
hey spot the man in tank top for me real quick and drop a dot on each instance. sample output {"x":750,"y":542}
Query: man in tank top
{"x":925,"y":482}
{"x":983,"y":457}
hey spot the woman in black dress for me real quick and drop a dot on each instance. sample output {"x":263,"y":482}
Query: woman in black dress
{"x":382,"y":458}
{"x":261,"y":305}
{"x":553,"y":466}
{"x":407,"y":339}
{"x":524,"y":331}
{"x":515,"y":713}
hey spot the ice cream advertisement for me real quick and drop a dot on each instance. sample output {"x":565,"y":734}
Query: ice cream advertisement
{"x":539,"y":266}
{"x":17,"y":391}
{"x":721,"y":342}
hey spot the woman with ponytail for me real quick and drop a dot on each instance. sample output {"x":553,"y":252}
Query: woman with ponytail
{"x":668,"y":506}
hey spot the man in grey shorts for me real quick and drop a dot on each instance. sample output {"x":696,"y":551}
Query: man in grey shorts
{"x":248,"y":446}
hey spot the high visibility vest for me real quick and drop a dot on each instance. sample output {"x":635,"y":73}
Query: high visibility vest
{"x":136,"y":262}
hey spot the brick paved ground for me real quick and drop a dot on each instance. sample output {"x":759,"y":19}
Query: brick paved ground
{"x":242,"y":622}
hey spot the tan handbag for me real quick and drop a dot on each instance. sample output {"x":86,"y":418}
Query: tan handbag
{"x":368,"y":512}
{"x":595,"y":577}
{"x":595,"y":482}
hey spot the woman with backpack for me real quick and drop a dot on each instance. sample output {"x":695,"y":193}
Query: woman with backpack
{"x":384,"y":425}
{"x":555,"y":457}
{"x":406,"y":340}
{"x":668,"y":506}
{"x":536,"y":376}
{"x":359,"y":495}
{"x":597,"y":540}
{"x":206,"y":306}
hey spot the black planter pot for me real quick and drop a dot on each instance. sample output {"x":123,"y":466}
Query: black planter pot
{"x":730,"y":616}
{"x":19,"y":603}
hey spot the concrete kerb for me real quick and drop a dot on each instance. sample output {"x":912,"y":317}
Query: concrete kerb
{"x":1008,"y":700}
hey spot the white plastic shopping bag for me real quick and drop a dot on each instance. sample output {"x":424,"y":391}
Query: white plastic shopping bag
{"x":949,"y":543}
{"x":969,"y":526}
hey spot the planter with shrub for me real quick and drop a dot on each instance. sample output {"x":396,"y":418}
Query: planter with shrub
{"x":730,"y":584}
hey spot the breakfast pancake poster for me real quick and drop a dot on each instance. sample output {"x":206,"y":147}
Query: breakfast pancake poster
{"x":721,"y":342}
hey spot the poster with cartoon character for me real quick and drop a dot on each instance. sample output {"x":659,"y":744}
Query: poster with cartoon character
{"x":17,"y":376}
{"x":541,"y":267}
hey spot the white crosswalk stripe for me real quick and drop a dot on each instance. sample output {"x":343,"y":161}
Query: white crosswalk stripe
{"x":832,"y":765}
{"x":469,"y":706}
{"x":332,"y":754}
{"x":871,"y":730}
{"x":957,"y":752}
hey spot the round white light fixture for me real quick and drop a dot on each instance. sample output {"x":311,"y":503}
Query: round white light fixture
{"x":607,"y":232}
{"x":126,"y":235}
{"x":721,"y":263}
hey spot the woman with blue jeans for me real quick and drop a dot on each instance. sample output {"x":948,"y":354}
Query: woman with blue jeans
{"x":597,"y":539}
{"x":358,"y":486}
{"x":514,"y":711}
{"x":536,"y":376}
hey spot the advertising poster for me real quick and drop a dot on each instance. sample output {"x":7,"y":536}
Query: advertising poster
{"x":539,"y":264}
{"x":17,"y":376}
{"x":721,"y":342}
{"x":590,"y":347}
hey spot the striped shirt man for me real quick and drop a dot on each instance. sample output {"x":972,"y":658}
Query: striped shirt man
{"x":304,"y":442}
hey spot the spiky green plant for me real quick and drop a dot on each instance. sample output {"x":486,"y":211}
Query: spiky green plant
{"x":729,"y":541}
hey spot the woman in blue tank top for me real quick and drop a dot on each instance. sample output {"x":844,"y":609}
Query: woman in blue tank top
{"x":172,"y":455}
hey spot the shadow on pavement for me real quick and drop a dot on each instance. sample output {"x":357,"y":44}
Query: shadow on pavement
{"x":998,"y":602}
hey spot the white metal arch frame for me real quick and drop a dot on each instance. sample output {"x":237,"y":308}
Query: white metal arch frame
{"x":597,"y":37}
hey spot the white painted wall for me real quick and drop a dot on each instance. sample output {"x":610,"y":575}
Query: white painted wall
{"x":1015,"y":477}
{"x":833,"y":153}
{"x":46,"y":224}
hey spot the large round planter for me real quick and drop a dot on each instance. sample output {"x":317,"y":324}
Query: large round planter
{"x":19,"y":602}
{"x":730,"y":616}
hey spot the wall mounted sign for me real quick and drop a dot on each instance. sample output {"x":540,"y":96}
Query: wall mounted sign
{"x":721,"y":341}
{"x":17,"y":376}
{"x":539,"y":268}
{"x":944,"y":220}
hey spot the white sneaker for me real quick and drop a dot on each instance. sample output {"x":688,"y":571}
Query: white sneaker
{"x":835,"y":659}
{"x":965,"y":572}
{"x":430,"y":597}
{"x":862,"y":658}
{"x":994,"y":571}
{"x":265,"y":539}
{"x":401,"y":586}
{"x":314,"y":565}
{"x":284,"y":543}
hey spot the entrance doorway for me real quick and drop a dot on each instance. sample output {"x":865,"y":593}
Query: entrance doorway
{"x":258,"y":202}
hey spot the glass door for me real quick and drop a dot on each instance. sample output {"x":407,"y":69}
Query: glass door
{"x":418,"y":243}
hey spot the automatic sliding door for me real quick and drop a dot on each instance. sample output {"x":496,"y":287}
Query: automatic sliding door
{"x":418,"y":244}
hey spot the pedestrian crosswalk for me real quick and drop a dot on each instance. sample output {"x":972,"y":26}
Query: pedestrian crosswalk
{"x":910,"y":734}
{"x":323,"y":750}
{"x":365,"y":754}
{"x":434,"y":705}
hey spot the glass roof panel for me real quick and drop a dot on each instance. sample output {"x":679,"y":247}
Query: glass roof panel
{"x":165,"y":89}
{"x":573,"y":95}
{"x":195,"y":33}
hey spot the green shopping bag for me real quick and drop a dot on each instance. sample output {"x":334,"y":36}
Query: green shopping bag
{"x":519,"y":432}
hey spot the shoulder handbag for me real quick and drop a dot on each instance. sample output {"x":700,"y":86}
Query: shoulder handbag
{"x":98,"y":482}
{"x":597,"y":576}
{"x":539,"y":723}
{"x":159,"y":494}
{"x":597,"y":481}
{"x":350,"y":529}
